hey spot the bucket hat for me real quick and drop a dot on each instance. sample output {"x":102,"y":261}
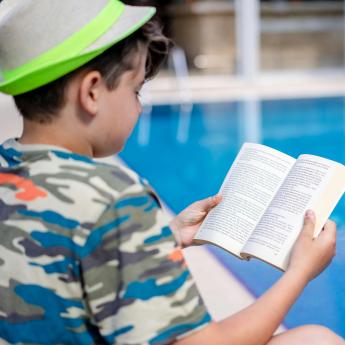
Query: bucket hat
{"x":42,"y":40}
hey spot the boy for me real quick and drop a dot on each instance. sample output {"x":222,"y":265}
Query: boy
{"x":86,"y":256}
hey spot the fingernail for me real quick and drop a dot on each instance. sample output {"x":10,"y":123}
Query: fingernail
{"x":215,"y":198}
{"x":310,"y":215}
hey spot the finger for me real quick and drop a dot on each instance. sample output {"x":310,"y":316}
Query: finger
{"x":309,"y":224}
{"x":329,"y":230}
{"x":208,"y":203}
{"x":217,"y":198}
{"x":330,"y":226}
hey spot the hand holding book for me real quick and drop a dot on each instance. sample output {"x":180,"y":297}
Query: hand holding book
{"x":265,"y":196}
{"x":186,"y":224}
{"x":309,"y":257}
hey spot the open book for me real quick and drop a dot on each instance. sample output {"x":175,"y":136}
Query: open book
{"x":265,"y":196}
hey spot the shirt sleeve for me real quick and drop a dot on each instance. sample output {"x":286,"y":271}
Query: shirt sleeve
{"x":138,"y":287}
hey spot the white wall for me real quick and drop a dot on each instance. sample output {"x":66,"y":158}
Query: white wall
{"x":10,"y":121}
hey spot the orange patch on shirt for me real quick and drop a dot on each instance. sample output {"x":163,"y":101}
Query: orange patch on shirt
{"x":177,"y":255}
{"x":29,"y":191}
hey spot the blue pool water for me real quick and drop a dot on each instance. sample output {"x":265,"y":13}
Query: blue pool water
{"x":186,"y":159}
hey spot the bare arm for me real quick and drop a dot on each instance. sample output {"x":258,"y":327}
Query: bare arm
{"x":256,"y":324}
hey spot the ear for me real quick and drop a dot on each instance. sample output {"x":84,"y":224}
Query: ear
{"x":90,"y":90}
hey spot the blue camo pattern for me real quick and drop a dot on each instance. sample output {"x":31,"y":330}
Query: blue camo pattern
{"x":86,"y":256}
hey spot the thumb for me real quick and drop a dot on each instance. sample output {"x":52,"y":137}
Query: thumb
{"x":309,"y":224}
{"x":208,"y":203}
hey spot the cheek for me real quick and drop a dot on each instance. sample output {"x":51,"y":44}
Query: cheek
{"x":130,"y":115}
{"x":139,"y":107}
{"x":131,"y":106}
{"x":134,"y":108}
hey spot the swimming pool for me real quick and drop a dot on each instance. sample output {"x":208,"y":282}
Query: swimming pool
{"x":185,"y":156}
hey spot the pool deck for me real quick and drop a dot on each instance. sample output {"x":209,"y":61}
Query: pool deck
{"x":167,"y":89}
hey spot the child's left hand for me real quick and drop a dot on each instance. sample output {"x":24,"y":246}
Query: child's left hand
{"x":186,"y":224}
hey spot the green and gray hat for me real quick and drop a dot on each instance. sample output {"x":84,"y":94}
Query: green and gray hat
{"x":42,"y":40}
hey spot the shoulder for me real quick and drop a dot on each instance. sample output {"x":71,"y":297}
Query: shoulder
{"x":80,"y":187}
{"x":112,"y":179}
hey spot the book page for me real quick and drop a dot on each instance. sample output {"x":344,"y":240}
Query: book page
{"x":313,"y":183}
{"x":247,"y":190}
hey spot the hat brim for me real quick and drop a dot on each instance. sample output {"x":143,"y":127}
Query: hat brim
{"x":132,"y":18}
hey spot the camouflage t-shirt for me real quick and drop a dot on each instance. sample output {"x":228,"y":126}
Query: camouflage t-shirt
{"x":86,"y":256}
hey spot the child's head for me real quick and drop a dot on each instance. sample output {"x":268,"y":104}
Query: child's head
{"x":100,"y":98}
{"x":42,"y":104}
{"x":106,"y":90}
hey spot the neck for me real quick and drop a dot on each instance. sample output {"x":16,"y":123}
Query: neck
{"x":69,"y":137}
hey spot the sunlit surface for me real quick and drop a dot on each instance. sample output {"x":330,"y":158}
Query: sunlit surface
{"x":186,"y":156}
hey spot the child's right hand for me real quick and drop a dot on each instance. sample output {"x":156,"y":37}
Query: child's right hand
{"x":310,"y":256}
